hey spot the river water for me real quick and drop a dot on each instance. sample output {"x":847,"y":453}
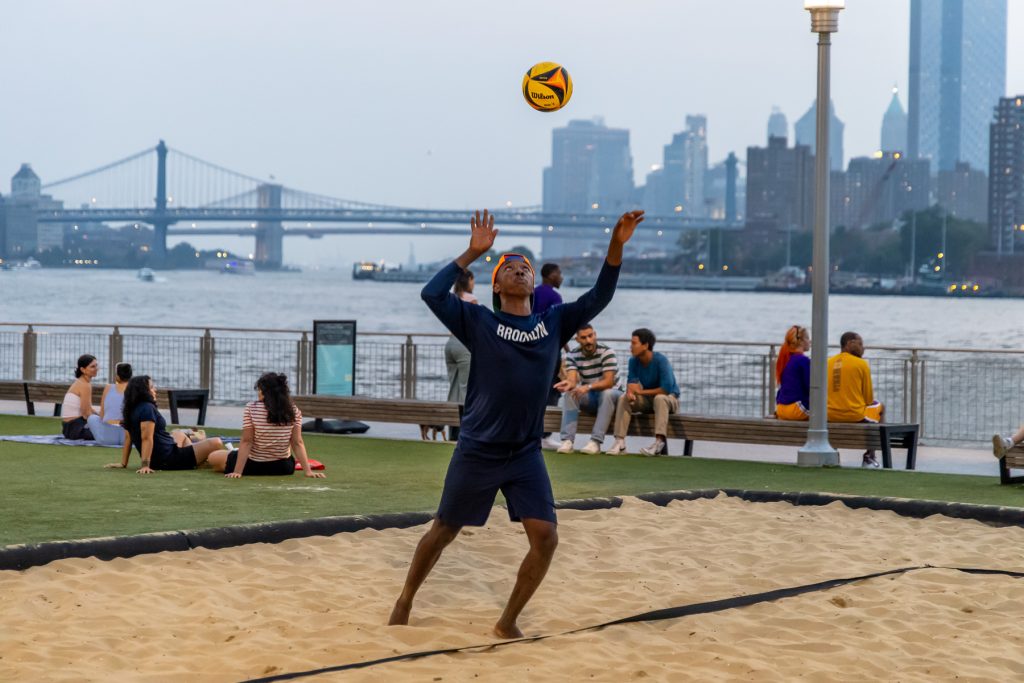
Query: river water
{"x":293,"y":300}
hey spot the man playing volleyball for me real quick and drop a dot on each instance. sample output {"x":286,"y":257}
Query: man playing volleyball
{"x":514,"y":355}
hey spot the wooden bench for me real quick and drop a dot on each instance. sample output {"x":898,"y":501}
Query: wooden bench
{"x":763,"y":431}
{"x":401,"y":411}
{"x":690,"y":428}
{"x":166,"y":399}
{"x":1013,"y":460}
{"x":12,"y":391}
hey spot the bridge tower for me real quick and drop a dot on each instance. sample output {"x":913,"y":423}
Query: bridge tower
{"x":160,"y":222}
{"x":269,"y":234}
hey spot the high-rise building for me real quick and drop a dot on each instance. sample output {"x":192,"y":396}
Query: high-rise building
{"x":806,"y":133}
{"x":1006,"y":180}
{"x":780,"y":186}
{"x":963,"y":192}
{"x":957,"y":74}
{"x":778,"y":126}
{"x":894,"y":126}
{"x":24,"y":234}
{"x":721,"y":180}
{"x":590,"y":164}
{"x":677,"y":186}
{"x":877,"y":189}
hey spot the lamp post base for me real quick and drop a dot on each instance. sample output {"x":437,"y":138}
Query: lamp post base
{"x":817,"y":452}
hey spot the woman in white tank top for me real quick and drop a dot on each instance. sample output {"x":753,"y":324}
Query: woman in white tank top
{"x":77,"y":406}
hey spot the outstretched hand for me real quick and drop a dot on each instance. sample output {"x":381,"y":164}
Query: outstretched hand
{"x":483,"y":233}
{"x":625,"y":226}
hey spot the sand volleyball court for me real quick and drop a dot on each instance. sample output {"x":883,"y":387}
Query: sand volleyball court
{"x":261,"y":610}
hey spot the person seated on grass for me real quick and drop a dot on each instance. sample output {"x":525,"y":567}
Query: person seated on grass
{"x":271,"y":434}
{"x":77,"y":407}
{"x":1001,"y":444}
{"x":147,"y":432}
{"x":851,"y":398}
{"x":651,"y":388}
{"x":793,"y":373}
{"x":106,"y":426}
{"x":591,"y":385}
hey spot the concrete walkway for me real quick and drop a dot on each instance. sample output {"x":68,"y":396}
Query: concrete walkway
{"x":929,"y":458}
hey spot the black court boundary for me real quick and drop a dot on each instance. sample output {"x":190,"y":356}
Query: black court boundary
{"x":25,"y":556}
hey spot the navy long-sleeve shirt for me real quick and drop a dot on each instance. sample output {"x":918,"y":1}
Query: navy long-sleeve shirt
{"x":513,"y":356}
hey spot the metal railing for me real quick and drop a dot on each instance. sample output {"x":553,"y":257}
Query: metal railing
{"x":957,"y":395}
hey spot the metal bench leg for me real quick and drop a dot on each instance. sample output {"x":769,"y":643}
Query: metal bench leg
{"x":1004,"y":472}
{"x":688,"y":448}
{"x":29,"y":405}
{"x":886,"y":449}
{"x":56,"y":409}
{"x":201,"y":420}
{"x":173,"y":404}
{"x":912,"y":451}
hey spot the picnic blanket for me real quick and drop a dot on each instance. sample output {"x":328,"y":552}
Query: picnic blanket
{"x":51,"y":440}
{"x":58,"y":440}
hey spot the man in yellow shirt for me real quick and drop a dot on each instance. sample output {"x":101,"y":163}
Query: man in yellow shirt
{"x":851,"y":397}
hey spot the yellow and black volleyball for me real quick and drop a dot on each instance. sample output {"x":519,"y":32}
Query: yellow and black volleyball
{"x":547,"y":86}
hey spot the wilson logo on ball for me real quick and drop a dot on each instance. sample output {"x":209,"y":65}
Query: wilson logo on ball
{"x":547,"y":86}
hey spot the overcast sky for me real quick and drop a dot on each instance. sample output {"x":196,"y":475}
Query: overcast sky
{"x":418,"y":102}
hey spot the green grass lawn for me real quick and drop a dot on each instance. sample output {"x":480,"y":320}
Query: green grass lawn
{"x":56,"y":492}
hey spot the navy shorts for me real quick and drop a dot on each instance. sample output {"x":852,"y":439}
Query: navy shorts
{"x":178,"y":458}
{"x":473,"y":480}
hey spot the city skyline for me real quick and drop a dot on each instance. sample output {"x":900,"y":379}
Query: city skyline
{"x":270,"y":92}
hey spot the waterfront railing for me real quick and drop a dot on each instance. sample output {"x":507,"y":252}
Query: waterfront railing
{"x":958,"y":396}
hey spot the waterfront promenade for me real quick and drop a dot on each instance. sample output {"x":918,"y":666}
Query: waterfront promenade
{"x":930,"y":458}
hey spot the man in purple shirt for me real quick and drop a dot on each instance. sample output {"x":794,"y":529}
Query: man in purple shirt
{"x":545,"y":296}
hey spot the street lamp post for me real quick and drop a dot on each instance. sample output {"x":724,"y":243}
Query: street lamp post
{"x":818,"y":452}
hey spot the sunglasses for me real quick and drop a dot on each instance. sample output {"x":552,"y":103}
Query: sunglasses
{"x":511,"y":256}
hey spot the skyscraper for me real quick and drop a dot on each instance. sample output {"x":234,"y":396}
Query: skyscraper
{"x":677,"y":187}
{"x":1006,"y":181}
{"x":590,"y":164}
{"x":957,"y":74}
{"x":894,"y":126}
{"x":806,"y":131}
{"x":778,"y":126}
{"x":780,"y":186}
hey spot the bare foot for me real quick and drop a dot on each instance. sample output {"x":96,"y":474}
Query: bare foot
{"x":507,"y":632}
{"x":399,"y":615}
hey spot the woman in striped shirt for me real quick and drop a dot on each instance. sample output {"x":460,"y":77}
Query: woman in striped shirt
{"x":271,"y":433}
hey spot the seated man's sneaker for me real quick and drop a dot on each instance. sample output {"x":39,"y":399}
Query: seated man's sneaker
{"x":869,"y":461}
{"x":618,"y":448}
{"x":656,"y":448}
{"x":566,"y":447}
{"x":1001,"y":444}
{"x":552,"y":443}
{"x":592,"y":448}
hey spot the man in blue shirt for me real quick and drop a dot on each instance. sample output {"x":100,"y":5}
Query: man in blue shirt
{"x":514,"y":355}
{"x":651,"y":388}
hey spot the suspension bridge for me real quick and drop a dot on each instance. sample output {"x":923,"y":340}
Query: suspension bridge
{"x":180,"y":194}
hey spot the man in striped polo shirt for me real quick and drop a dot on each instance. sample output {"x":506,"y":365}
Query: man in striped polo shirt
{"x":592,"y":385}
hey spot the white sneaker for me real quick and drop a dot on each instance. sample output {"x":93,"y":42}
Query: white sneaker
{"x":551,"y":443}
{"x":1001,"y":444}
{"x":566,"y":447}
{"x":592,"y":448}
{"x":656,"y":448}
{"x":618,"y":448}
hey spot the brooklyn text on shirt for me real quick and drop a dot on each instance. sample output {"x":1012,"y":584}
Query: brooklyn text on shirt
{"x":512,"y":334}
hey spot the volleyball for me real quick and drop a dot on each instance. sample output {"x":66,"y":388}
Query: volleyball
{"x":547,"y":86}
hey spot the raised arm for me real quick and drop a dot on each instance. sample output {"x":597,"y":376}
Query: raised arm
{"x":437,"y":293}
{"x":586,"y":308}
